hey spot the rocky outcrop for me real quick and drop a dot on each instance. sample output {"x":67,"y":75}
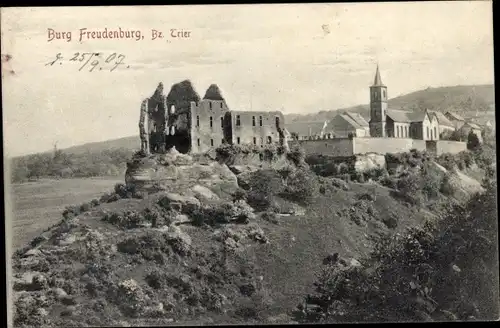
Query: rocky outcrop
{"x":462,"y":186}
{"x":174,"y":171}
{"x":368,"y":162}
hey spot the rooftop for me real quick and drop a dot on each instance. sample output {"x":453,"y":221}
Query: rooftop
{"x":405,"y":116}
{"x":455,"y":116}
{"x":442,"y":119}
{"x":305,"y":128}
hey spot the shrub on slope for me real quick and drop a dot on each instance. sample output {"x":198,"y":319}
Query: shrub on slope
{"x":445,"y":271}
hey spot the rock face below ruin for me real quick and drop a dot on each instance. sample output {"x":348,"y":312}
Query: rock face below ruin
{"x":174,"y":171}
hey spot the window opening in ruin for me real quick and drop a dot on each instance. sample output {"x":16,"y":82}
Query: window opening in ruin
{"x":211,"y":121}
{"x":198,"y":142}
{"x":397,"y":131}
{"x":384,"y":93}
{"x":220,"y":105}
{"x":254,"y":140}
{"x":197,"y":121}
{"x":222,"y":122}
{"x":277,"y":122}
{"x":212,"y":142}
{"x":406,"y":131}
{"x":238,"y":140}
{"x":222,"y":141}
{"x":253,"y":120}
{"x":238,"y":121}
{"x":260,"y":120}
{"x":269,"y":139}
{"x":210,"y":104}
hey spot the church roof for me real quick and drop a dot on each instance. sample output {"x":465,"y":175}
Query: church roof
{"x":377,"y":82}
{"x":405,"y":116}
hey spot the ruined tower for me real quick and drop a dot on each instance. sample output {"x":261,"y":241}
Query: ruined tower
{"x":378,"y":107}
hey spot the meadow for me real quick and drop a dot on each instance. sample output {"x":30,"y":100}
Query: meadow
{"x":38,"y":205}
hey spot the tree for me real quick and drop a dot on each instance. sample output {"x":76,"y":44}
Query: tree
{"x":294,"y":135}
{"x":458,"y":135}
{"x":213,"y":93}
{"x":473,"y":141}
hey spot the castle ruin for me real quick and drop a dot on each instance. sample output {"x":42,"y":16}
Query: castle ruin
{"x":198,"y":126}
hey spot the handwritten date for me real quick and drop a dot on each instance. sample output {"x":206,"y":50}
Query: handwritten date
{"x":92,"y":61}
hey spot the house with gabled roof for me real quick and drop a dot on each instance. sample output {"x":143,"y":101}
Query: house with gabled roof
{"x":455,"y":119}
{"x":445,"y":125}
{"x":345,"y":124}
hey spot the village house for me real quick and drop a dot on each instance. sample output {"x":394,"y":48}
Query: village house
{"x":455,"y":119}
{"x":445,"y":125}
{"x":345,"y":124}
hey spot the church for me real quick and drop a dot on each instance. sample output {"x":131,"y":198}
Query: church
{"x":391,"y":123}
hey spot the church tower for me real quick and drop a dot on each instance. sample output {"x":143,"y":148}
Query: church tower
{"x":378,"y":107}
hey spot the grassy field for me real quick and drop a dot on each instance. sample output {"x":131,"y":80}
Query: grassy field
{"x":38,"y":205}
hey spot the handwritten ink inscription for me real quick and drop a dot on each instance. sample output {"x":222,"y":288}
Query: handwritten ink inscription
{"x":92,"y":61}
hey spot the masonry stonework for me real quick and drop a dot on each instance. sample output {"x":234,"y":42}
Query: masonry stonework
{"x":382,"y":145}
{"x":197,"y":127}
{"x":332,"y":147}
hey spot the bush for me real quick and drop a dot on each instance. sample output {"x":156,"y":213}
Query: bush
{"x":389,"y":182}
{"x":473,"y":141}
{"x":263,"y":186}
{"x":127,"y":220}
{"x":71,"y":212}
{"x":239,"y":194}
{"x":109,"y":198}
{"x":297,"y":155}
{"x":124,"y":191}
{"x":410,"y":186}
{"x":432,"y":182}
{"x":301,"y":186}
{"x":214,"y":214}
{"x":358,"y":177}
{"x":270,"y":217}
{"x":375,"y":173}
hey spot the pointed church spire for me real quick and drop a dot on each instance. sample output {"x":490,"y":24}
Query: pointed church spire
{"x":378,"y":80}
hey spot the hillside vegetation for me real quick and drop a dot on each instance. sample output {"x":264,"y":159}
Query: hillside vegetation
{"x":191,"y":252}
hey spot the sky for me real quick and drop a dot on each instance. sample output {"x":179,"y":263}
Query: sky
{"x":297,"y":58}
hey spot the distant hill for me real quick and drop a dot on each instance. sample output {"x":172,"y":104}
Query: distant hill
{"x":128,"y":143}
{"x":464,"y":99}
